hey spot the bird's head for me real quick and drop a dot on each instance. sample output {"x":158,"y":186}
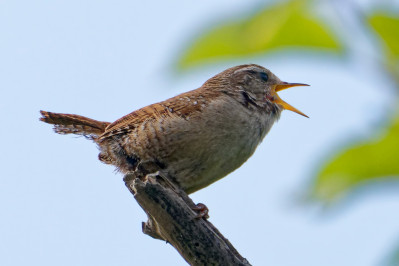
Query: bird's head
{"x":259,"y":85}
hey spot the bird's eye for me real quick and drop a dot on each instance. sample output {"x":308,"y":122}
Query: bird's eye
{"x":264,"y":76}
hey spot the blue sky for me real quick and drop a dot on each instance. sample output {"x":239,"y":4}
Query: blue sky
{"x":103,"y":59}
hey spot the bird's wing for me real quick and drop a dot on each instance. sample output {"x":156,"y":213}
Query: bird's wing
{"x":182,"y":106}
{"x":134,"y":119}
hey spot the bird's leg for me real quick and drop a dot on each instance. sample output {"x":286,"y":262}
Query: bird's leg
{"x":200,"y":208}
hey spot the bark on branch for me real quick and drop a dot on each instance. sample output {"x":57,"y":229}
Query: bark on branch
{"x":171,"y":218}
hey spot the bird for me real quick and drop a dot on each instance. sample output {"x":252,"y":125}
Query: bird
{"x":194,"y":138}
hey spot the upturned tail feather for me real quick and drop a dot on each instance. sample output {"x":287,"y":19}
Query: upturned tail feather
{"x":74,"y":124}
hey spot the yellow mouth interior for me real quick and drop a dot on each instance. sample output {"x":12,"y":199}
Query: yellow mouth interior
{"x":278,"y":100}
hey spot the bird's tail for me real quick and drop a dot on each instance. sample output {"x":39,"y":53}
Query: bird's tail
{"x":74,"y":124}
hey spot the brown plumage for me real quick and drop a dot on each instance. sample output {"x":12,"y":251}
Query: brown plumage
{"x":74,"y":124}
{"x":194,"y":138}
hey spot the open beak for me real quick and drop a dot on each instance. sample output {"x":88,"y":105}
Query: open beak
{"x":278,"y":100}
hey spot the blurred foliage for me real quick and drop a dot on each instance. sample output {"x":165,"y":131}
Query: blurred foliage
{"x":387,"y":27}
{"x":373,"y":160}
{"x":288,"y":24}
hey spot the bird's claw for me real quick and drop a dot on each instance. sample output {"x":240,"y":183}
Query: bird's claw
{"x":201,"y":210}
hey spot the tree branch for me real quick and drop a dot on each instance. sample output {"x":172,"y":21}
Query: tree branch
{"x":171,"y":218}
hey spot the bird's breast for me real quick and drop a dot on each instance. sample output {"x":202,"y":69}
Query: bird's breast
{"x":212,"y":143}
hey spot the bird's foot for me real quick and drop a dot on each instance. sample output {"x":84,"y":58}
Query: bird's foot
{"x":201,"y":210}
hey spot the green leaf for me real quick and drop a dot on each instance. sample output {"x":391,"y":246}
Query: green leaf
{"x":387,"y":27}
{"x":375,"y":160}
{"x":289,"y":24}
